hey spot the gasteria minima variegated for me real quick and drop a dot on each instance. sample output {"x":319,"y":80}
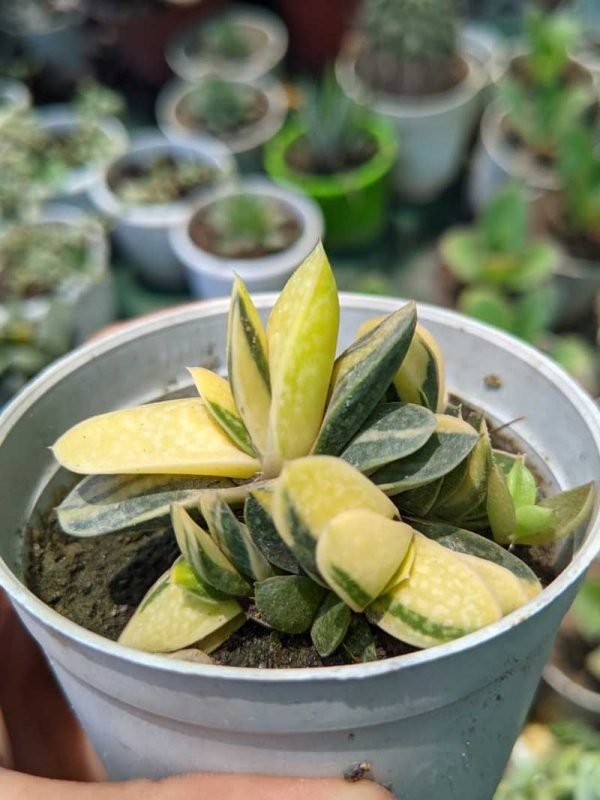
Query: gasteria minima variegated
{"x":285,"y":486}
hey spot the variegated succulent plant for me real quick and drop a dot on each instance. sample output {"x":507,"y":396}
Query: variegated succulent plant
{"x":317,"y":493}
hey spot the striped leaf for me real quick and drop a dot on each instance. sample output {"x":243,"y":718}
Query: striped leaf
{"x":358,"y":554}
{"x":175,"y":437}
{"x":360,"y":642}
{"x":233,"y":538}
{"x":182,"y":574}
{"x":104,"y":504}
{"x":258,"y":516}
{"x":501,"y":510}
{"x":218,"y":399}
{"x":451,"y":443}
{"x":330,"y":626}
{"x":171,"y":618}
{"x":288,"y":603}
{"x":506,"y":587}
{"x":312,"y":491}
{"x":419,"y":502}
{"x":205,"y":557}
{"x":397,"y":431}
{"x":361,"y":377}
{"x":302,"y":335}
{"x":443,"y":599}
{"x":247,"y":365}
{"x":570,"y":510}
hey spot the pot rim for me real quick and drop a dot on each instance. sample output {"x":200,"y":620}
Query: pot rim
{"x":260,"y":64}
{"x":564,"y":686}
{"x":60,"y":625}
{"x":201,"y":261}
{"x":146,"y":145}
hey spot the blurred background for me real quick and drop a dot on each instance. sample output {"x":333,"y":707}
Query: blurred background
{"x":446,"y":150}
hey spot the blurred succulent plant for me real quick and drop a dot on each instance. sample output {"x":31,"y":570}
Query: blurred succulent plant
{"x":321,"y":451}
{"x":221,"y":107}
{"x":579,"y":169}
{"x":224,"y":39}
{"x":164,"y":179}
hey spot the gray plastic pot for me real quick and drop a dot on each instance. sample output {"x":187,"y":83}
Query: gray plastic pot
{"x":434,"y":131}
{"x":76,"y":183}
{"x":209,"y":275}
{"x":191,"y":66}
{"x":434,"y":724}
{"x":142,"y":231}
{"x":246,"y":145}
{"x":577,"y":282}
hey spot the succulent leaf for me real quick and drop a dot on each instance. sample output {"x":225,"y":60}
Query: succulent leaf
{"x":501,"y":510}
{"x":360,"y":642}
{"x":521,"y":484}
{"x":443,"y":599}
{"x":182,"y":574}
{"x":313,"y":490}
{"x":396,"y":431}
{"x":247,"y":365}
{"x":302,"y":336}
{"x":362,"y":375}
{"x":218,"y":399}
{"x":503,"y":584}
{"x":205,"y":557}
{"x":330,"y":626}
{"x":289,"y":603}
{"x":171,"y":618}
{"x":258,"y":515}
{"x":358,"y":554}
{"x":570,"y":509}
{"x":174,"y":437}
{"x":419,"y":502}
{"x":451,"y":442}
{"x":233,"y":538}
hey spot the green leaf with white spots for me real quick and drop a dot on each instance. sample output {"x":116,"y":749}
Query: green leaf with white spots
{"x":102,"y":504}
{"x":233,"y":539}
{"x":171,"y":618}
{"x":570,"y":510}
{"x":521,"y":484}
{"x":182,"y":574}
{"x":398,"y":430}
{"x":259,"y":520}
{"x":360,"y":642}
{"x":361,"y":377}
{"x":330,"y":625}
{"x":205,"y":557}
{"x":288,"y":603}
{"x":500,"y":506}
{"x":358,"y":554}
{"x":451,"y":443}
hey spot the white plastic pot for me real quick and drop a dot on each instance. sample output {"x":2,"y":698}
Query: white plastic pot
{"x":76,"y":183}
{"x":247,"y":145}
{"x":209,"y":275}
{"x":191,"y":66}
{"x":141,"y":232}
{"x":434,"y":131}
{"x":437,"y":724}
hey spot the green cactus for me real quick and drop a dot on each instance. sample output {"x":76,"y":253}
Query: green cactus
{"x":221,"y":107}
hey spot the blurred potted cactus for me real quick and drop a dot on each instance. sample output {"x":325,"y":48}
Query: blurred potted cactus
{"x":244,"y":116}
{"x":252,"y":228}
{"x":244,"y":43}
{"x":542,"y":91}
{"x":407,"y":63}
{"x":340,"y":156}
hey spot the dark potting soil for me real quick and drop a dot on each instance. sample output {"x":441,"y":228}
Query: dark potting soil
{"x":302,"y":159}
{"x":419,"y":78}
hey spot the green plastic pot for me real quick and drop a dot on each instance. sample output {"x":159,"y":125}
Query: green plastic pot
{"x":354,"y":203}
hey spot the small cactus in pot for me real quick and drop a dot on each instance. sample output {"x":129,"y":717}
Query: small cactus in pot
{"x":310,"y":493}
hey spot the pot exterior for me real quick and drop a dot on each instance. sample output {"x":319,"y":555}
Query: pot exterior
{"x":434,"y":724}
{"x":577,"y":284}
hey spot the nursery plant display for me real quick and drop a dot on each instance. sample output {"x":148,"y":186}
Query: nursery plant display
{"x":407,"y":64}
{"x":340,"y":156}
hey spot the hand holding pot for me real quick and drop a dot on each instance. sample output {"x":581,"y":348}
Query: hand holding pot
{"x":40,"y":737}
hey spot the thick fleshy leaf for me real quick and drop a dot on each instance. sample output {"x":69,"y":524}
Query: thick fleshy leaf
{"x":451,"y":442}
{"x":406,"y":568}
{"x":443,"y":599}
{"x":506,"y":587}
{"x":330,"y":626}
{"x":419,"y":502}
{"x":205,"y":557}
{"x":505,"y":461}
{"x":218,"y":399}
{"x":312,"y":491}
{"x":258,"y":514}
{"x":288,"y":603}
{"x":500,"y":506}
{"x":570,"y":508}
{"x":395,"y":431}
{"x":532,"y":521}
{"x":360,"y":642}
{"x":521,"y":484}
{"x":182,"y":574}
{"x":175,"y":437}
{"x":171,"y":618}
{"x":302,"y":336}
{"x":358,"y":554}
{"x":103,"y":504}
{"x":247,"y":365}
{"x":233,"y":538}
{"x":361,"y":377}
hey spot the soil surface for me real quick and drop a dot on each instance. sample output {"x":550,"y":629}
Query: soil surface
{"x":301,"y":158}
{"x":383,"y":72}
{"x":164,"y":179}
{"x":188,"y":115}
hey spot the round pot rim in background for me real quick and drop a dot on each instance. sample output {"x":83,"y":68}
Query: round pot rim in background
{"x":570,"y":690}
{"x":56,"y":22}
{"x":351,"y":180}
{"x":581,"y":404}
{"x":192,"y":68}
{"x":151,"y":143}
{"x":18,"y":95}
{"x":270,"y":266}
{"x":249,"y":138}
